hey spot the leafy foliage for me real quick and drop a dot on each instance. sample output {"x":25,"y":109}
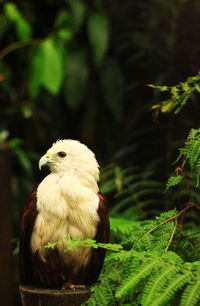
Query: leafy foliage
{"x":160,"y":260}
{"x":179,"y":94}
{"x":133,"y":190}
{"x":147,"y":274}
{"x":76,"y":242}
{"x":191,"y":155}
{"x":191,"y":294}
{"x":49,"y":57}
{"x":191,"y":151}
{"x":173,"y":181}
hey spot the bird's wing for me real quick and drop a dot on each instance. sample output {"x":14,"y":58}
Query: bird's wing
{"x":33,"y":270}
{"x":103,"y":236}
{"x":103,"y":231}
{"x":27,"y":223}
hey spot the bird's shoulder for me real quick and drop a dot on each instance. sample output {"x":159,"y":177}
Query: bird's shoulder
{"x":30,"y":210}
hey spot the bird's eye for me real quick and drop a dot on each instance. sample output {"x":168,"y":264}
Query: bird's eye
{"x":61,"y":154}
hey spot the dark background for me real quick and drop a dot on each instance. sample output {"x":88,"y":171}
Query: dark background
{"x":79,"y":69}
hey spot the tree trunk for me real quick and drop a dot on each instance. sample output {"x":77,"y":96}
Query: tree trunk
{"x":31,"y":296}
{"x":5,"y":226}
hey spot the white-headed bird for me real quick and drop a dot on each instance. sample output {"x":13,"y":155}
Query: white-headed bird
{"x":67,"y":203}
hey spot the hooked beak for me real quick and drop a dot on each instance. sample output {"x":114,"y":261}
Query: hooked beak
{"x":44,"y":160}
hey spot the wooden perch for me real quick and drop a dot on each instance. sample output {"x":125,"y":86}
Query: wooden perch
{"x":31,"y":296}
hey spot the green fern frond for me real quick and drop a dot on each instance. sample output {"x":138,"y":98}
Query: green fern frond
{"x":191,"y":294}
{"x":103,"y":293}
{"x":135,"y":277}
{"x":147,"y":274}
{"x":125,"y":256}
{"x":77,"y":242}
{"x":179,"y":94}
{"x":198,"y":172}
{"x":155,"y":283}
{"x":195,"y":153}
{"x":173,"y":181}
{"x":146,"y":183}
{"x":131,"y":187}
{"x":172,"y":258}
{"x":148,"y":191}
{"x":164,"y":216}
{"x":172,"y":286}
{"x":121,"y":204}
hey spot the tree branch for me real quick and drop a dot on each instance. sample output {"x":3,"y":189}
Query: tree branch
{"x":17,"y":45}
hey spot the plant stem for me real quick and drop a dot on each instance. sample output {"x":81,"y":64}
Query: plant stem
{"x":172,"y":235}
{"x":17,"y":45}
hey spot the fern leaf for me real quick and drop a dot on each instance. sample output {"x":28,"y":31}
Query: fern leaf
{"x":171,"y":288}
{"x":146,"y":243}
{"x":148,"y":191}
{"x":146,"y":183}
{"x":173,"y":181}
{"x":155,"y":283}
{"x":195,"y":153}
{"x":121,"y":204}
{"x":135,"y":277}
{"x":102,"y":294}
{"x":198,"y":173}
{"x":191,"y":294}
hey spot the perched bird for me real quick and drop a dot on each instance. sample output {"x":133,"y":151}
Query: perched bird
{"x":67,"y":203}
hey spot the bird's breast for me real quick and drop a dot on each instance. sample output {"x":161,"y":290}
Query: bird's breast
{"x":60,"y":216}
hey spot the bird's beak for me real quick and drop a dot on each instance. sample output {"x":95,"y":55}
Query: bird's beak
{"x":44,"y":160}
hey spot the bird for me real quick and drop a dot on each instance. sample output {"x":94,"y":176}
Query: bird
{"x":67,"y":203}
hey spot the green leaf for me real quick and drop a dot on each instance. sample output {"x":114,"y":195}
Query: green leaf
{"x":50,"y":245}
{"x":98,"y":32}
{"x":174,"y":92}
{"x":11,"y":11}
{"x":122,"y":225}
{"x":76,"y":79}
{"x":52,"y":66}
{"x":112,"y":84}
{"x":135,"y":277}
{"x":23,"y":28}
{"x":173,"y":181}
{"x":161,"y":88}
{"x":167,"y":106}
{"x":197,"y":87}
{"x":62,"y":20}
{"x":47,"y":68}
{"x":15,"y":241}
{"x":36,"y":73}
{"x":78,"y":9}
{"x":191,"y":294}
{"x":65,"y":35}
{"x":61,"y":24}
{"x":15,"y":143}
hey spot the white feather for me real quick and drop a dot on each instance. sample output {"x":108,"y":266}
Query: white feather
{"x":67,"y":202}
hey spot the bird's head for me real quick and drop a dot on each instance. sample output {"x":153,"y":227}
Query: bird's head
{"x":71,"y":157}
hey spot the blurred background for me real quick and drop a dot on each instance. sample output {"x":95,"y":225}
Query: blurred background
{"x":80,"y":69}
